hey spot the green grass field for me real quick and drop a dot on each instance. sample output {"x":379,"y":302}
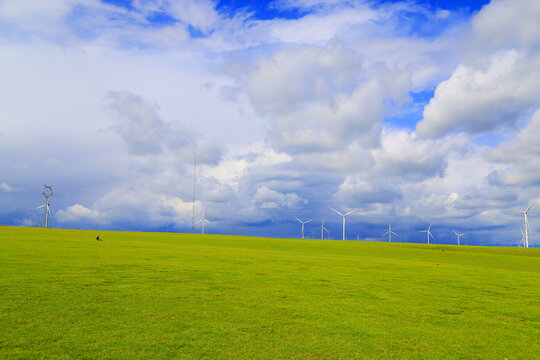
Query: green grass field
{"x":157,"y":295}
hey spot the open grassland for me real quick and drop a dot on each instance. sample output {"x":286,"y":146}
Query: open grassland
{"x":154,"y":295}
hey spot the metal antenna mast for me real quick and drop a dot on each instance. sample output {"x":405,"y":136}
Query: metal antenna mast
{"x":46,"y":213}
{"x":193,"y":207}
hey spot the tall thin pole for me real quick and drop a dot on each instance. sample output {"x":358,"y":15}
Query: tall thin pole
{"x":193,"y":206}
{"x":526,"y":231}
{"x":47,"y":214}
{"x":344,"y":227}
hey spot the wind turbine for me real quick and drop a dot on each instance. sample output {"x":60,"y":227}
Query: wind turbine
{"x":323,"y":229}
{"x":525,"y":212}
{"x":522,"y":238}
{"x":458,"y":236}
{"x":46,"y":214}
{"x":390,"y":232}
{"x":428,"y":233}
{"x":343,"y":215}
{"x":203,"y":220}
{"x":303,"y":222}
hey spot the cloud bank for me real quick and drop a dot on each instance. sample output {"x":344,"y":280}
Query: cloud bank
{"x":411,"y":114}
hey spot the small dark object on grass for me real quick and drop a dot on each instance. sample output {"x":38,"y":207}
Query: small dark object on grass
{"x":98,"y":239}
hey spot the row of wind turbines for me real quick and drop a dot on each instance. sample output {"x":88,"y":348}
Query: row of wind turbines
{"x":390,"y":232}
{"x":524,"y":240}
{"x":47,"y":193}
{"x":323,"y":229}
{"x":428,"y":234}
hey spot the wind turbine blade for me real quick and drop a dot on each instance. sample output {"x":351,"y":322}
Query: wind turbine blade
{"x":422,"y":231}
{"x":298,"y":219}
{"x":350,"y":212}
{"x":39,"y":207}
{"x":455,"y":232}
{"x":308,"y":221}
{"x":529,"y":208}
{"x":336,"y":211}
{"x":385,"y":233}
{"x":429,"y":228}
{"x":395,"y":233}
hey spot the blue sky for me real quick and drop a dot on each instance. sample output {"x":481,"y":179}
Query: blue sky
{"x":265,"y":10}
{"x":412,"y":112}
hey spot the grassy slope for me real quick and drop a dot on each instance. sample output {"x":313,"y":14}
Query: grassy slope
{"x":151,"y":295}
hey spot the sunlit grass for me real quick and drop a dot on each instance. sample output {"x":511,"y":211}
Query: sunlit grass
{"x":153,"y":295}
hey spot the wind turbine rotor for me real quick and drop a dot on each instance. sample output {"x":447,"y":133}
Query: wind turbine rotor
{"x":428,"y":233}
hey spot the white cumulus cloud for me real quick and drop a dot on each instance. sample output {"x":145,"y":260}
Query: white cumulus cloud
{"x":79,"y":212}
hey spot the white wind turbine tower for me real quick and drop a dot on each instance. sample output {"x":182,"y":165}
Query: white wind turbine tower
{"x":323,"y":229}
{"x":303,"y":222}
{"x":203,"y":220}
{"x":390,"y":232}
{"x":525,"y":212}
{"x":46,"y":213}
{"x":458,"y":236}
{"x":343,"y":215}
{"x":428,"y":233}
